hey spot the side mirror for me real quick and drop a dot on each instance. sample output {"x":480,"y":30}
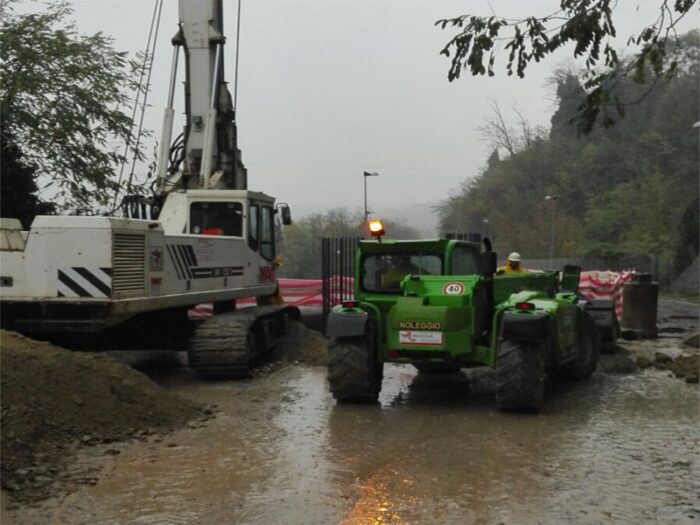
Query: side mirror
{"x":488,"y":263}
{"x":285,"y":213}
{"x":570,"y":278}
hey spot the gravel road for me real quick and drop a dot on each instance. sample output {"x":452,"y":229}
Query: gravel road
{"x":619,"y":448}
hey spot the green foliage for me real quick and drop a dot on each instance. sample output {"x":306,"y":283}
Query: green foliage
{"x":589,"y":26}
{"x":63,"y":100}
{"x":301,"y":251}
{"x":689,"y":236}
{"x":632,"y":218}
{"x":621,"y":191}
{"x":17,"y":198}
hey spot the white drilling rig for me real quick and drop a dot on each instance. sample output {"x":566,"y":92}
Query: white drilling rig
{"x":205,"y":238}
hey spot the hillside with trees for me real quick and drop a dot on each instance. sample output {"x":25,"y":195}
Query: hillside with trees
{"x":625,"y":190}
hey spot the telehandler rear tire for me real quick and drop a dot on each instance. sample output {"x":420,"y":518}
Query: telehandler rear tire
{"x":589,"y":345}
{"x":520,"y":376}
{"x":354,"y":374}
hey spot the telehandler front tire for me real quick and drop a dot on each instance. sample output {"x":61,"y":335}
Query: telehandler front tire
{"x":520,"y":376}
{"x":354,"y":374}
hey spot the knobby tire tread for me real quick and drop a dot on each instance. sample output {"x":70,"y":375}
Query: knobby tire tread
{"x":353,"y":375}
{"x":520,"y":376}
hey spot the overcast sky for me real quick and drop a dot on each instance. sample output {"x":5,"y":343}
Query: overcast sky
{"x":331,"y":88}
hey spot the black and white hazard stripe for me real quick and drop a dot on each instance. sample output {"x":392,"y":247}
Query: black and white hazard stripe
{"x":84,"y":282}
{"x":184,"y":261}
{"x":183,"y":258}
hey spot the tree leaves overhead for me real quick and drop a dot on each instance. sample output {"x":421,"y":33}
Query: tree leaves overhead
{"x":588,"y":26}
{"x":64,"y":101}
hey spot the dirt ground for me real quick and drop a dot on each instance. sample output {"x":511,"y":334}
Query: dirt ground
{"x":54,"y":400}
{"x":676,"y":349}
{"x":619,"y":448}
{"x":302,"y":345}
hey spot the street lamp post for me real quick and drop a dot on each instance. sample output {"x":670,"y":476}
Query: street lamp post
{"x":552,"y":198}
{"x":365,"y":175}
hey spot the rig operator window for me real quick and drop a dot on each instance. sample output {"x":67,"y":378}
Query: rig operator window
{"x":383,"y":273}
{"x":216,"y":218}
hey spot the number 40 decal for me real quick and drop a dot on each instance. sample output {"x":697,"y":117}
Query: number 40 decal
{"x":453,"y":288}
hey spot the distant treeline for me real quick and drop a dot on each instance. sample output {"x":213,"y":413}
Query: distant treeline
{"x":624,"y":190}
{"x":300,"y":246}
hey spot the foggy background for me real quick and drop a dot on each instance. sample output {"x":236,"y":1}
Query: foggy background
{"x":330,"y":89}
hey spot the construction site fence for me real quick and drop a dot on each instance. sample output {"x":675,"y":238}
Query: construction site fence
{"x":334,"y":289}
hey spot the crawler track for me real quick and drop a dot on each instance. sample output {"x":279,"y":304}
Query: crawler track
{"x":227,"y":345}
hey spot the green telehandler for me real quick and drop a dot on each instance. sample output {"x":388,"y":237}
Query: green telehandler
{"x":436,"y":304}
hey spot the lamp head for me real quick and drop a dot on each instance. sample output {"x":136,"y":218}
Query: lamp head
{"x":376,"y":229}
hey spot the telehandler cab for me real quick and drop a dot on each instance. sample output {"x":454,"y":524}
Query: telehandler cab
{"x":437,"y":305}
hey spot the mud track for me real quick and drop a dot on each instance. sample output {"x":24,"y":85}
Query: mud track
{"x":619,"y":448}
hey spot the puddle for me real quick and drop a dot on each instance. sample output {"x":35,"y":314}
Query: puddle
{"x":615,"y":449}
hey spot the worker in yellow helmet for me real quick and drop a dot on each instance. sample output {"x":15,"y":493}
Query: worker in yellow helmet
{"x":512,"y":265}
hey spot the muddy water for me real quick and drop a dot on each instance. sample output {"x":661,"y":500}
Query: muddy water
{"x":615,"y":449}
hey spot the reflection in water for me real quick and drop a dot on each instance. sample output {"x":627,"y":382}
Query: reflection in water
{"x":615,"y":449}
{"x":378,"y":504}
{"x":599,"y":452}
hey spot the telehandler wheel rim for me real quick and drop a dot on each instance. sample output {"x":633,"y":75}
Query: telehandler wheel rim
{"x":588,"y":352}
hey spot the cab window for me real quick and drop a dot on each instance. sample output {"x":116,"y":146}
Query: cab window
{"x":464,"y":261}
{"x":267,"y":237}
{"x":253,"y":236}
{"x":216,"y":218}
{"x":383,"y":273}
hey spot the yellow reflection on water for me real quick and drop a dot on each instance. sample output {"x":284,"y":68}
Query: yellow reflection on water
{"x":380,"y":503}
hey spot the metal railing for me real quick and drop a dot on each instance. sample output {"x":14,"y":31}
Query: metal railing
{"x":337,"y":271}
